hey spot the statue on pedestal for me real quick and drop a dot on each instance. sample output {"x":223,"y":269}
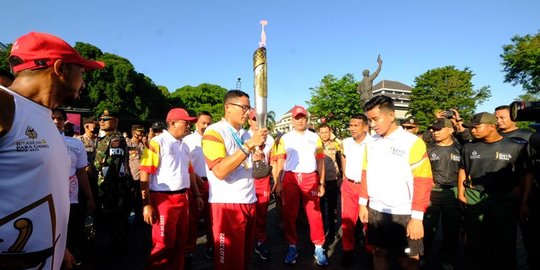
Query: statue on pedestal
{"x":365,"y":87}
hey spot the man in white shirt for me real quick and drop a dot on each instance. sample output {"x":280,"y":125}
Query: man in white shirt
{"x":33,"y":158}
{"x":166,"y":176}
{"x":354,"y":148}
{"x":193,"y":141}
{"x":232,"y":193}
{"x":300,"y":158}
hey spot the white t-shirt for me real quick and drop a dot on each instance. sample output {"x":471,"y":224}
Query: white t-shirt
{"x":167,"y":161}
{"x":34,"y":191}
{"x":196,"y":156}
{"x":301,"y":150}
{"x":77,"y":155}
{"x":354,"y":156}
{"x":218,"y":143}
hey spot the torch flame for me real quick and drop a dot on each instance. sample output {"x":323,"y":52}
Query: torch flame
{"x":262,"y":43}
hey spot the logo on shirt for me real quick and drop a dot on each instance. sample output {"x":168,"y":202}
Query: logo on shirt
{"x":434,"y":157}
{"x":455,"y":157}
{"x":30,"y":144}
{"x":474,"y":155}
{"x":503,"y":156}
{"x":31,"y":133}
{"x":397,"y":152}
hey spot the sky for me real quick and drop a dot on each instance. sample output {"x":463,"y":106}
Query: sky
{"x":178,"y":42}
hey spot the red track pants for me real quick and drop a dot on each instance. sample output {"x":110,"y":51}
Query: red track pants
{"x":302,"y":188}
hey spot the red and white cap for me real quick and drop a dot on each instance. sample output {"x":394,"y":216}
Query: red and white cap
{"x":39,"y":50}
{"x":179,"y":114}
{"x":298,"y":110}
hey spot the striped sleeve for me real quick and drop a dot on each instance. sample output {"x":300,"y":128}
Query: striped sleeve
{"x":150,"y":158}
{"x":279,"y":152}
{"x":213,"y":148}
{"x":319,"y":151}
{"x":422,"y":179}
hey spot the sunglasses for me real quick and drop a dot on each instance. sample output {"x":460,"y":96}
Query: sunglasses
{"x":244,"y":108}
{"x":104,"y":119}
{"x":409,"y":127}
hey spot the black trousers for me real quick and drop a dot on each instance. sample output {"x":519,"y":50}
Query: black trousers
{"x":443,"y":208}
{"x":328,"y":204}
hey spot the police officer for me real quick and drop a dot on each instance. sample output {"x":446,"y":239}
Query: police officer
{"x":114,"y":181}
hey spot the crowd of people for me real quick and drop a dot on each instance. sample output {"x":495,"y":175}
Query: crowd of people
{"x":473,"y":181}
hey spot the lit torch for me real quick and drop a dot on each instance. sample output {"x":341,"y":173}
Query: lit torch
{"x":260,"y":84}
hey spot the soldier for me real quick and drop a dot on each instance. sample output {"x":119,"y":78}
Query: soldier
{"x":114,"y":181}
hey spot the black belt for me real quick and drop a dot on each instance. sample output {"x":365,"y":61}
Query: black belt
{"x":182,"y":191}
{"x":352,"y":181}
{"x":204,"y":178}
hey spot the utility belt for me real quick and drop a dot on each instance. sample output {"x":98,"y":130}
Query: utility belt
{"x":181,"y":191}
{"x":438,"y":187}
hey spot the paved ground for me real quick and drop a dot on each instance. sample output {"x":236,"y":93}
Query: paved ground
{"x":140,"y":242}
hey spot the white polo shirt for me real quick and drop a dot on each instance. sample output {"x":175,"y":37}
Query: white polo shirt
{"x":196,"y":156}
{"x":354,"y":156}
{"x":167,"y":161}
{"x":221,"y":140}
{"x":301,"y":151}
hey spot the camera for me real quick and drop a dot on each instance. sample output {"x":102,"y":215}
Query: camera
{"x":525,"y":111}
{"x":449,"y":114}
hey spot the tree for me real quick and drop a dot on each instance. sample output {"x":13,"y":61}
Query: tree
{"x":521,"y":62}
{"x":442,"y":89}
{"x":4,"y":57}
{"x":119,"y":87}
{"x":271,"y":121}
{"x":335,"y":101}
{"x":204,"y":97}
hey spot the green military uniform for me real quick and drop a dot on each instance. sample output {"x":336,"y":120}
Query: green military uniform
{"x":114,"y":183}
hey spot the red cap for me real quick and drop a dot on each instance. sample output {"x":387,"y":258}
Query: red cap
{"x":38,"y":50}
{"x":252,"y":115}
{"x":179,"y":114}
{"x":296,"y":110}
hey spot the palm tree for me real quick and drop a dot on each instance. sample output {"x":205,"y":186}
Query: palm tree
{"x":271,"y":121}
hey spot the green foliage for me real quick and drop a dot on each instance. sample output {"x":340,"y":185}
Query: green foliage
{"x":4,"y":58}
{"x":271,"y":121}
{"x":204,"y":97}
{"x":119,"y":87}
{"x":521,"y":62}
{"x":336,"y":100}
{"x":442,"y":89}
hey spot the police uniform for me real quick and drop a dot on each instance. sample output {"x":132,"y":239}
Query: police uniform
{"x":114,"y":182}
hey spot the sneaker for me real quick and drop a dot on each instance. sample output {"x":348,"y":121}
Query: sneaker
{"x":209,"y":254}
{"x":292,"y":254}
{"x":261,"y":249}
{"x":347,"y":259}
{"x":320,"y":257}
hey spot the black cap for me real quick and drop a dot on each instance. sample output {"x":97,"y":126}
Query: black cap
{"x":441,"y":123}
{"x":411,"y":120}
{"x":158,"y":126}
{"x":481,"y":118}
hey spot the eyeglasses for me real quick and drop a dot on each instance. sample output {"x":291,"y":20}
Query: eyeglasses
{"x":104,"y":119}
{"x":244,"y":108}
